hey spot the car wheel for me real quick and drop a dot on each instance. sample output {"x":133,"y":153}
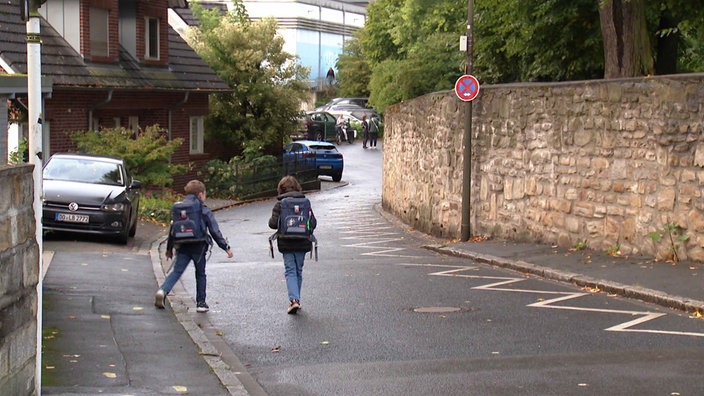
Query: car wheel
{"x":133,"y":229}
{"x":337,"y":177}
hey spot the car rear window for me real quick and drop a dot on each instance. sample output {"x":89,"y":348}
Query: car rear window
{"x":322,"y":147}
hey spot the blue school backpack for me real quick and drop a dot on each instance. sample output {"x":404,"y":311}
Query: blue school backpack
{"x":294,"y":220}
{"x":187,"y":224}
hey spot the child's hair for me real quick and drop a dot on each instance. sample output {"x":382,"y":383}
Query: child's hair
{"x":194,"y":187}
{"x":287,"y":184}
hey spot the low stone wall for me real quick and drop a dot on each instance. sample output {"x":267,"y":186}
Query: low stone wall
{"x":603,"y":162}
{"x":19,"y":276}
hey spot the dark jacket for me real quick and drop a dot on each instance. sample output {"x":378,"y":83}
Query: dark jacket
{"x":211,"y":225}
{"x":290,"y":245}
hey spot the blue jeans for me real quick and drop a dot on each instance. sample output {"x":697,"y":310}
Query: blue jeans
{"x":293,"y":263}
{"x":184,"y":255}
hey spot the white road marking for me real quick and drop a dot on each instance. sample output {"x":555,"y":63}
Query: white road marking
{"x":644,"y":316}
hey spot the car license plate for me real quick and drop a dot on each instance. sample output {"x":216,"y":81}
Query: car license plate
{"x":72,"y":218}
{"x":325,"y":167}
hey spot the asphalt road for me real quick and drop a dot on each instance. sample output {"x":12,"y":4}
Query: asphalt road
{"x":382,"y":315}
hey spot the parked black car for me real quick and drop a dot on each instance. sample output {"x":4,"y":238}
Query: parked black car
{"x":90,"y":194}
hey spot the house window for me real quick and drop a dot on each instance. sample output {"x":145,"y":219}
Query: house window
{"x":99,"y":32}
{"x":151,"y":36}
{"x":196,"y":146}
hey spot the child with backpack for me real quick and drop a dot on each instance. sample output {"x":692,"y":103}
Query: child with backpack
{"x":193,"y":229}
{"x":294,"y":221}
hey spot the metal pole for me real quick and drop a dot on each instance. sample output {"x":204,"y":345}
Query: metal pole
{"x":467,"y":138}
{"x":34,"y":96}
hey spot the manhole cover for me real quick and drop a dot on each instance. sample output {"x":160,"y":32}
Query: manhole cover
{"x":436,"y":309}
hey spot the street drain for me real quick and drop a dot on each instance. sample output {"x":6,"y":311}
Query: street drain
{"x":437,"y":309}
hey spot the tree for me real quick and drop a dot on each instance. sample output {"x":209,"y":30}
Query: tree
{"x":268,"y":84}
{"x":627,"y":46}
{"x":354,"y":72}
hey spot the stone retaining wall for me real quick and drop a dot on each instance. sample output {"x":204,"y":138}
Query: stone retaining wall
{"x":19,"y":276}
{"x":604,"y":162}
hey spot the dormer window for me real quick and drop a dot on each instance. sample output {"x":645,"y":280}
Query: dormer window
{"x":151,"y":37}
{"x":99,"y":42}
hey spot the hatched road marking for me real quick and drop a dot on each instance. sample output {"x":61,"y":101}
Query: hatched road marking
{"x":644,"y":316}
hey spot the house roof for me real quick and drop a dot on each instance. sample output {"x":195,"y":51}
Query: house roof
{"x":185,"y":71}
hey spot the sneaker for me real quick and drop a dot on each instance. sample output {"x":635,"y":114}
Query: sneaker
{"x":294,"y":307}
{"x":160,"y":299}
{"x":202,"y":307}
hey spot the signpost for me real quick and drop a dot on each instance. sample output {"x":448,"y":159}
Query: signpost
{"x":467,"y":88}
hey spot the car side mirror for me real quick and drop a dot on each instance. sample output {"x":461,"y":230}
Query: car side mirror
{"x":135,"y":184}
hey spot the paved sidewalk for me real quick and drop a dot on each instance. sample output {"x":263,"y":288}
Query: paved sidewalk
{"x":103,"y":335}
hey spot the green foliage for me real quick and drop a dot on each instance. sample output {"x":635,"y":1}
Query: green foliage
{"x":412,"y":48}
{"x":353,"y":71}
{"x":268,"y":84}
{"x":580,"y":245}
{"x":675,"y":239}
{"x":243,"y":176}
{"x":18,"y":157}
{"x":147,"y":155}
{"x":155,"y":206}
{"x":614,"y":250}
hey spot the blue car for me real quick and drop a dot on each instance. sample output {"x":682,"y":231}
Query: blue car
{"x":323,"y":156}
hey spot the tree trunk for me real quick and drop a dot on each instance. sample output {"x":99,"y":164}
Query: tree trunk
{"x":627,"y":48}
{"x":668,"y":46}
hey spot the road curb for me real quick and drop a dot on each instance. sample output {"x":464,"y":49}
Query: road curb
{"x":633,"y":292}
{"x":179,"y":301}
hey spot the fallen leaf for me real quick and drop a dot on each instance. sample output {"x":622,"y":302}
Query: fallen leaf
{"x":109,"y":375}
{"x":219,"y":333}
{"x":137,"y":308}
{"x":105,"y":316}
{"x":180,"y":389}
{"x":325,"y":343}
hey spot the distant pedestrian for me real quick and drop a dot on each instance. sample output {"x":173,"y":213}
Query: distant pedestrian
{"x":330,"y":77}
{"x":365,"y":130}
{"x":194,"y":251}
{"x":373,"y":131}
{"x":293,"y":249}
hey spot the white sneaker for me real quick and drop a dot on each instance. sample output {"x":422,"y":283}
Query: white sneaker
{"x":160,"y":299}
{"x":294,"y":306}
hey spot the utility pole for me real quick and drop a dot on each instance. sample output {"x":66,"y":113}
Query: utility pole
{"x":30,"y":14}
{"x":467,"y":138}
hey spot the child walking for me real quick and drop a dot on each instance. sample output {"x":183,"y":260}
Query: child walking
{"x":196,"y":251}
{"x":293,"y":249}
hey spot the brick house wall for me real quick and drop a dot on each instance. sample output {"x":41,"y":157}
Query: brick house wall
{"x":68,"y":111}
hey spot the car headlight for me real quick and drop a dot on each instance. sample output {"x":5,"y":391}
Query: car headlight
{"x":114,"y":207}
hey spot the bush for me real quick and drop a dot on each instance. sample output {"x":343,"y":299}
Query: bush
{"x":155,"y":206}
{"x":243,"y":177}
{"x":147,"y":155}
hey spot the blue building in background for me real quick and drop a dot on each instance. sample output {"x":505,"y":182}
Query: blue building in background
{"x":314,"y":30}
